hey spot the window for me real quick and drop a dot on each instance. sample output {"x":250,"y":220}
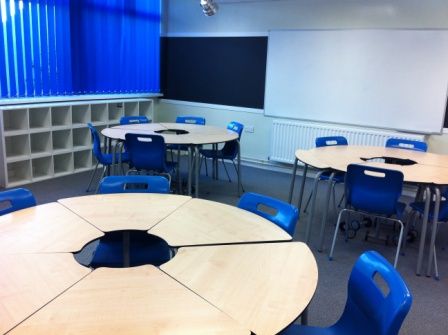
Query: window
{"x":71,"y":47}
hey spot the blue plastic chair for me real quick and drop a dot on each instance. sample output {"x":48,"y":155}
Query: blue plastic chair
{"x":134,"y":184}
{"x":16,"y":199}
{"x":338,"y":177}
{"x":285,"y":215}
{"x":228,"y":152}
{"x":103,"y":158}
{"x":198,"y":120}
{"x":375,"y":192}
{"x":188,"y":119}
{"x":144,"y":248}
{"x":368,"y":311}
{"x":148,"y":152}
{"x":134,"y":120}
{"x":406,"y":144}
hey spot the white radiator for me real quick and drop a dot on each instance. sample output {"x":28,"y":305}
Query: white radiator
{"x":289,"y":136}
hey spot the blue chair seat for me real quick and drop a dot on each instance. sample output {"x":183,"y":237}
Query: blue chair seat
{"x":369,"y":310}
{"x":107,"y":158}
{"x":18,"y":198}
{"x":420,"y":207}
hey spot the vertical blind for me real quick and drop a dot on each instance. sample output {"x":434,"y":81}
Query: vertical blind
{"x":71,"y":47}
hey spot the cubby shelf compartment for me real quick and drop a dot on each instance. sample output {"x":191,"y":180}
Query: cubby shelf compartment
{"x":63,"y":164}
{"x":19,"y":173}
{"x":82,"y":160}
{"x":115,"y":111}
{"x":62,"y":140}
{"x":81,"y":138}
{"x":17,"y":147}
{"x":40,"y":143}
{"x":99,"y":113}
{"x":39,"y":118}
{"x":81,"y":114}
{"x":61,"y":116}
{"x":146,"y":108}
{"x":15,"y":120}
{"x":131,"y":109}
{"x":42,"y":168}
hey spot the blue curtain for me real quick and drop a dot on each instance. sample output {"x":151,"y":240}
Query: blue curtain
{"x":67,"y":47}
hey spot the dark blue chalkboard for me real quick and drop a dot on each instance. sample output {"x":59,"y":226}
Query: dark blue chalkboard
{"x":216,"y":70}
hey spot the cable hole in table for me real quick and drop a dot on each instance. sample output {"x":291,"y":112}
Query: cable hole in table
{"x":172,"y":131}
{"x":390,"y":160}
{"x":125,"y":248}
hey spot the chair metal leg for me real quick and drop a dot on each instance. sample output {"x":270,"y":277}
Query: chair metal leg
{"x":400,"y":239}
{"x":308,"y":202}
{"x":237,"y":170}
{"x":330,"y":256}
{"x":102,"y":175}
{"x":92,"y":175}
{"x":225,"y":168}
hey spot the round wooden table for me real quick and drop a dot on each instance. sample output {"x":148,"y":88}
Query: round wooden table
{"x":234,"y":272}
{"x":422,"y":168}
{"x":190,"y":135}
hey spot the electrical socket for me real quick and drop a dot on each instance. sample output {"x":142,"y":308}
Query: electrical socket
{"x":249,"y":129}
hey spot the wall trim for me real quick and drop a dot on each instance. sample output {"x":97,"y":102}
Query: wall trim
{"x":217,"y":34}
{"x":213,"y":106}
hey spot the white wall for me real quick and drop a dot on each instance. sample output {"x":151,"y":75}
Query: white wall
{"x":252,"y":17}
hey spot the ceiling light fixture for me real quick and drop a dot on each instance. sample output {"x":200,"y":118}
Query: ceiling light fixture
{"x":209,"y":7}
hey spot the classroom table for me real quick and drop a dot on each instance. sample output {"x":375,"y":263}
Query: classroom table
{"x":228,"y":283}
{"x":191,"y":135}
{"x":427,"y":169}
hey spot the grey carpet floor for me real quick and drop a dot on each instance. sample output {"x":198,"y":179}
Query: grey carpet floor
{"x":429,"y":312}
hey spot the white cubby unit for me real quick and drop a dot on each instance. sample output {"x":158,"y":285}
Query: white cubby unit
{"x":44,"y":140}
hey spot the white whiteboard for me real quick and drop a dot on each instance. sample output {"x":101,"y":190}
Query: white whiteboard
{"x":395,"y":79}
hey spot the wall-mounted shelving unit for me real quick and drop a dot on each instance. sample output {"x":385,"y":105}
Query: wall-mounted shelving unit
{"x":42,"y":141}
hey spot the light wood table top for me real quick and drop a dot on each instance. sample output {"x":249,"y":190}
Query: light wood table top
{"x":196,"y":134}
{"x":139,"y":211}
{"x":45,"y":228}
{"x":220,"y":289}
{"x":202,"y":222}
{"x":30,"y":281}
{"x":252,"y":282}
{"x":140,"y":300}
{"x":429,"y":167}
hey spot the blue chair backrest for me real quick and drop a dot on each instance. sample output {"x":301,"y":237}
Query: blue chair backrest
{"x":406,"y":144}
{"x":285,"y":215}
{"x":146,"y":152}
{"x":133,"y":119}
{"x":15,"y":199}
{"x":134,"y":184}
{"x":367,"y":306}
{"x":373,"y":189}
{"x":330,"y":140}
{"x":191,"y":120}
{"x":230,"y":149}
{"x":96,"y":149}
